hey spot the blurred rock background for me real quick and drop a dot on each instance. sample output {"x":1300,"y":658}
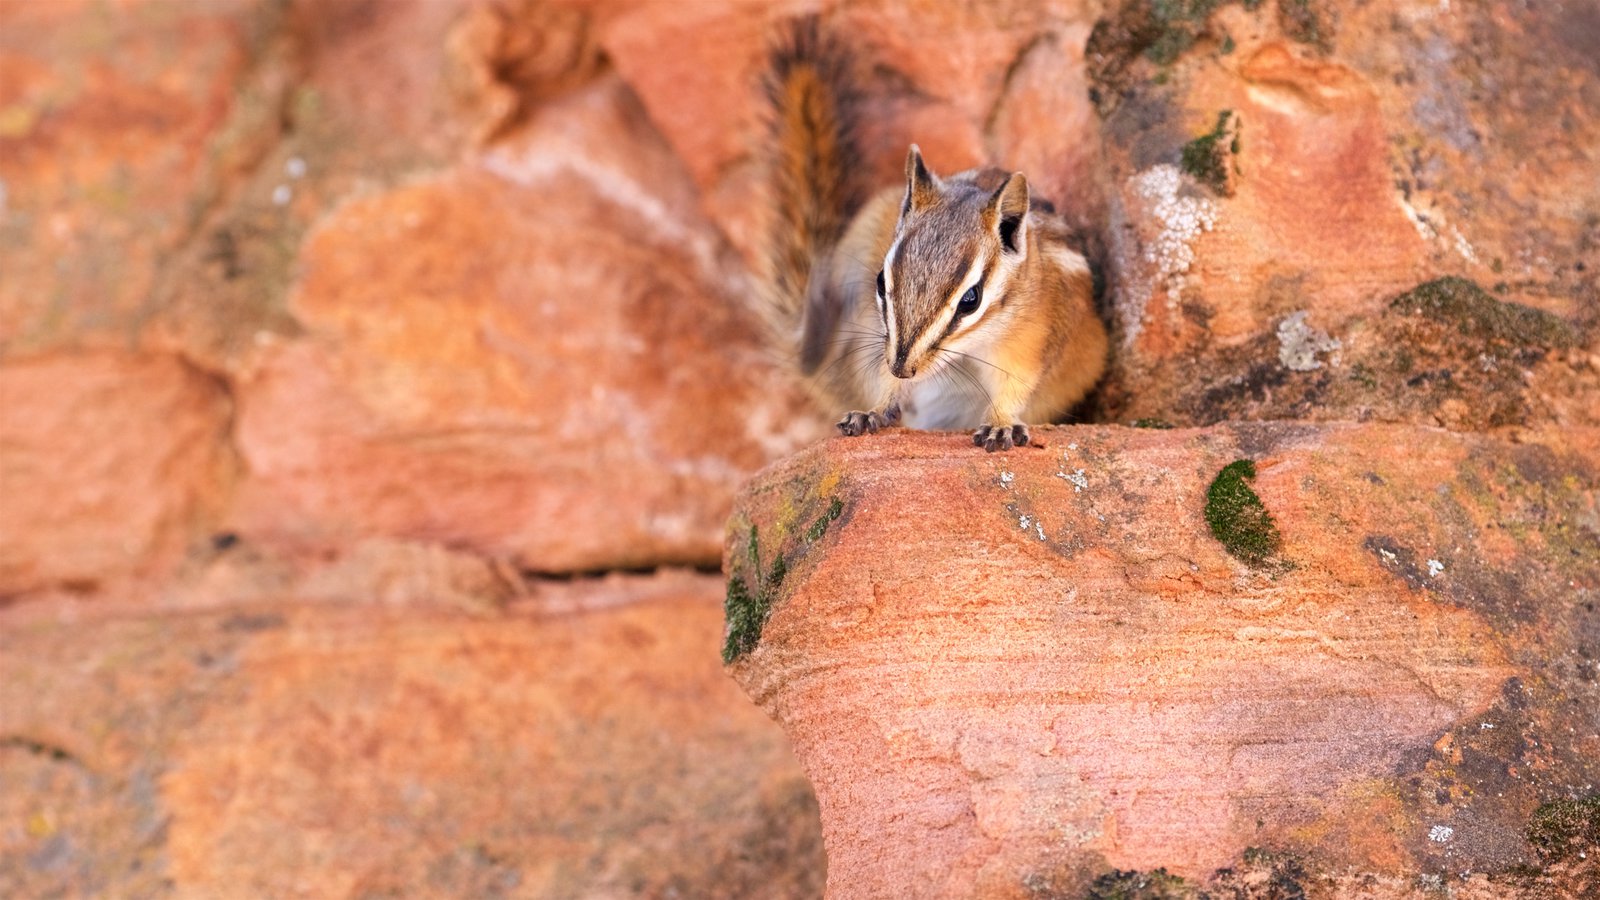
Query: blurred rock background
{"x":375,"y":381}
{"x":344,"y":347}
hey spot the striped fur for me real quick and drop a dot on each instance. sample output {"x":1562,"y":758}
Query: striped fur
{"x":814,"y":101}
{"x":1032,"y":347}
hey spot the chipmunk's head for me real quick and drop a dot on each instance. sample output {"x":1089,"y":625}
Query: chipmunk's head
{"x":944,"y":279}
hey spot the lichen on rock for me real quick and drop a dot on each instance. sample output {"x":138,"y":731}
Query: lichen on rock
{"x":835,"y":509}
{"x":745,"y":609}
{"x":1307,"y":22}
{"x":1163,"y":31}
{"x":743,"y":616}
{"x":1299,"y":343}
{"x":1181,"y":218}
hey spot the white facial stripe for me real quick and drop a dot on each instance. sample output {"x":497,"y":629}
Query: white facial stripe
{"x":887,"y":308}
{"x":1068,"y":260}
{"x":888,"y":289}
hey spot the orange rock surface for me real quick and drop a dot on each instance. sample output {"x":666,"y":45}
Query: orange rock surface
{"x":583,"y":742}
{"x":108,"y":462}
{"x":326,"y":330}
{"x":106,"y":117}
{"x":1060,"y":671}
{"x":1283,"y":173}
{"x":445,"y":292}
{"x":535,"y":357}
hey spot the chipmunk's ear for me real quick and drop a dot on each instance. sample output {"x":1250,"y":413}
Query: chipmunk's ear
{"x":1008,"y":211}
{"x":922,"y":188}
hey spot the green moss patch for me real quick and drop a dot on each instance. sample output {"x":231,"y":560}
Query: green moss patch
{"x":1125,"y":885}
{"x":1152,"y":422}
{"x":1164,"y":30}
{"x":1304,"y":21}
{"x":1563,"y":828}
{"x":1237,"y":516}
{"x":815,"y":532}
{"x":1266,"y":873}
{"x":745,"y":609}
{"x":1476,"y":313}
{"x":1178,"y":24}
{"x":753,"y":587}
{"x":1207,"y":157}
{"x":745,"y":615}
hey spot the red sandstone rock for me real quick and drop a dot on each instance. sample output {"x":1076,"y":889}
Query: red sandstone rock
{"x":108,"y":463}
{"x":515,"y":57}
{"x":342,"y":99}
{"x":571,"y":310}
{"x":1047,"y":83}
{"x":102,"y":150}
{"x":159,"y":174}
{"x":1313,"y":207}
{"x":538,"y":358}
{"x":1491,"y":111}
{"x":581,"y":743}
{"x":1008,"y":674}
{"x":1335,"y":187}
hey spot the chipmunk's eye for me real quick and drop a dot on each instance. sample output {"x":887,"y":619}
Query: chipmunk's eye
{"x":969,"y":302}
{"x":881,"y":289}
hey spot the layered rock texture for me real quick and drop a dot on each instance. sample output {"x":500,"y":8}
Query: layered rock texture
{"x":344,"y":348}
{"x":1121,"y":650}
{"x":580,"y":742}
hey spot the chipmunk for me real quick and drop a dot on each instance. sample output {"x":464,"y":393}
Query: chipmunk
{"x":954,"y":302}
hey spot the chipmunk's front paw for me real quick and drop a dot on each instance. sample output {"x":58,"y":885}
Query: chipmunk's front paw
{"x":857,"y":423}
{"x":1001,"y":437}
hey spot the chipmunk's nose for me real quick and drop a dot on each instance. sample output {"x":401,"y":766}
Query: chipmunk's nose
{"x":898,"y":368}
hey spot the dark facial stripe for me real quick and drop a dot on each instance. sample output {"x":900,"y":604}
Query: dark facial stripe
{"x":955,"y":320}
{"x":950,"y":287}
{"x":954,"y":284}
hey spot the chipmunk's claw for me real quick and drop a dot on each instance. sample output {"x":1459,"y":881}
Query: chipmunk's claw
{"x":994,"y":438}
{"x":856,"y":423}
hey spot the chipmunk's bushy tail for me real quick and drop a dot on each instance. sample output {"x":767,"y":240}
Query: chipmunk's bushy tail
{"x":815,"y":166}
